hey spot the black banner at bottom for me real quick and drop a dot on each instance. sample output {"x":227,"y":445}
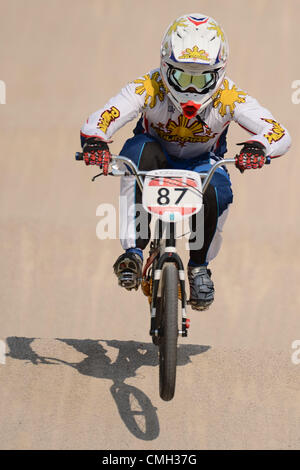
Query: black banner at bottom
{"x":142,"y":458}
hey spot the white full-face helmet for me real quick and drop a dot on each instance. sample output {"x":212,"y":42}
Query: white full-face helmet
{"x":194,"y":54}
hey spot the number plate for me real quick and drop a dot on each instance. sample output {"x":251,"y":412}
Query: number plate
{"x":172,"y":194}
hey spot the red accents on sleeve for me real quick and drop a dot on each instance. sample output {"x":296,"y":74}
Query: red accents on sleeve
{"x":253,"y":133}
{"x":96,"y":136}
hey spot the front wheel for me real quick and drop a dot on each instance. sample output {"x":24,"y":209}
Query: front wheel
{"x":168,"y":332}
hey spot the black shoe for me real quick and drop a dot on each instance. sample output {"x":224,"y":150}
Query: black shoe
{"x":201,"y":287}
{"x":128,"y":269}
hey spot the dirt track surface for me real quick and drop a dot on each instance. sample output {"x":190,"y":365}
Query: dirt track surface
{"x":80,"y":369}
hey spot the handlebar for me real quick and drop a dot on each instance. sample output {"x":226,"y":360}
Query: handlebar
{"x":139,"y":174}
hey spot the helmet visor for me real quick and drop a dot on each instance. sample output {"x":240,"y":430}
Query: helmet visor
{"x":184,"y":80}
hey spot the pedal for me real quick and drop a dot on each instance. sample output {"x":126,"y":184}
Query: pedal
{"x":128,"y":280}
{"x":128,"y":269}
{"x":200,"y":308}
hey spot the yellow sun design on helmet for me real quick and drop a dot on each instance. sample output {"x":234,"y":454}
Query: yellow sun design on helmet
{"x":152,"y":86}
{"x":218,"y":29}
{"x":175,"y":25}
{"x":194,"y":53}
{"x":228,"y":97}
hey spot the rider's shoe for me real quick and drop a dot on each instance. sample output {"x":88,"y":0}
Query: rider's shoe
{"x":128,"y":269}
{"x":201,"y":287}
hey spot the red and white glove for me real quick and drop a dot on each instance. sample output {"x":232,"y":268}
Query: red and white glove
{"x":252,"y":155}
{"x":96,"y":152}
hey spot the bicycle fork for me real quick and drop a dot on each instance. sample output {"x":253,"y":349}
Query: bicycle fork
{"x":169,"y":256}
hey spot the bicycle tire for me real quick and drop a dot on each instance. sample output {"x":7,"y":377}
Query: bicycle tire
{"x":168,"y":332}
{"x":156,"y":339}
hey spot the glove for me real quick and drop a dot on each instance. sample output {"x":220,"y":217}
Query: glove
{"x":252,"y":155}
{"x":96,"y":152}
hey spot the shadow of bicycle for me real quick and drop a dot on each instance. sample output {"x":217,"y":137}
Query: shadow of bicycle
{"x":135,"y":408}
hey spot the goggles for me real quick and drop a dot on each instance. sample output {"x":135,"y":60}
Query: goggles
{"x":184,"y":80}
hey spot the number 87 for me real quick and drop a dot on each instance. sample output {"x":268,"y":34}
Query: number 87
{"x":166,"y":194}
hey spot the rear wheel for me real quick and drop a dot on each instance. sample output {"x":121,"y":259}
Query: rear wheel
{"x":168,"y":332}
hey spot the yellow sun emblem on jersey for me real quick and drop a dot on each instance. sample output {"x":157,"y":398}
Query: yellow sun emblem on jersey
{"x":228,"y":97}
{"x":152,"y":86}
{"x":276,"y":133}
{"x":182,"y":133}
{"x":194,"y":53}
{"x":217,"y":28}
{"x":175,"y":25}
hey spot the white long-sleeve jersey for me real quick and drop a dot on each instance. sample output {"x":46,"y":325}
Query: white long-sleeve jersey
{"x":182,"y":137}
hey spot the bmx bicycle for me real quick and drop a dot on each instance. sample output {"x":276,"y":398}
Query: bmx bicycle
{"x":171,"y":195}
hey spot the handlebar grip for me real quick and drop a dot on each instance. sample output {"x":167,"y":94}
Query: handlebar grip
{"x":78,"y":156}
